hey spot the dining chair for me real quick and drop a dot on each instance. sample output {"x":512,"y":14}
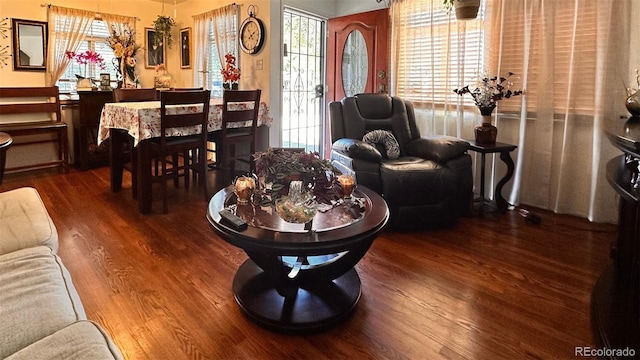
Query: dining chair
{"x":239,"y":126}
{"x":196,"y":144}
{"x":128,"y":95}
{"x":132,"y":95}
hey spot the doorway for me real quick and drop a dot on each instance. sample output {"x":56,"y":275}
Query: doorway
{"x":303,"y":74}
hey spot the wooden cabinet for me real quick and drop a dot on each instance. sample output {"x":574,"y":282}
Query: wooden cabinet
{"x":87,"y":152}
{"x":615,"y":301}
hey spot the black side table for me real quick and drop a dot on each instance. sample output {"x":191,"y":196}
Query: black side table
{"x":5,"y":141}
{"x":504,"y":150}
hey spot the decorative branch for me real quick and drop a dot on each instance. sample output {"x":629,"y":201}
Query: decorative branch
{"x":4,"y":56}
{"x":4,"y":28}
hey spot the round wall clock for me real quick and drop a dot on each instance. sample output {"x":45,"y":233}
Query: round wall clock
{"x":251,"y":34}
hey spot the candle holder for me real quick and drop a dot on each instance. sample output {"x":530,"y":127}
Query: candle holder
{"x":347,"y":185}
{"x":243,"y":187}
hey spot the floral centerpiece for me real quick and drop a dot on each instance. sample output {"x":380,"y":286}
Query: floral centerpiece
{"x":162,"y":80}
{"x":486,"y":94}
{"x":85,"y":58}
{"x":230,"y":73}
{"x":276,"y":168}
{"x":125,"y":49}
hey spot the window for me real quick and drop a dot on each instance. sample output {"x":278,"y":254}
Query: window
{"x":214,"y":77}
{"x":435,"y":53}
{"x":215,"y":34}
{"x":96,"y":40}
{"x":555,"y":41}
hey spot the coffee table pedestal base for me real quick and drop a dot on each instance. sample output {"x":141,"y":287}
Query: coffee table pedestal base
{"x":315,"y":307}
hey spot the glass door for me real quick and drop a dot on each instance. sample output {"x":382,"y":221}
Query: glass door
{"x":303,"y":74}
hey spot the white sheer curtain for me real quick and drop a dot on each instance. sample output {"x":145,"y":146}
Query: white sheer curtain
{"x":221,"y":24}
{"x":67,"y":30}
{"x":571,"y":58}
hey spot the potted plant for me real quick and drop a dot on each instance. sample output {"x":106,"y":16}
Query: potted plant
{"x":465,"y":9}
{"x":162,"y":27}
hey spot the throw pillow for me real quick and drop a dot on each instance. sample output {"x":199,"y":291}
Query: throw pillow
{"x":385,"y":138}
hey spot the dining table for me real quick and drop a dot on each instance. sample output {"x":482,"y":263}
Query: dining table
{"x":139,"y":122}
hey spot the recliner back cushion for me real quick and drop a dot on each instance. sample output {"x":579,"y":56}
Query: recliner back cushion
{"x":366,"y":112}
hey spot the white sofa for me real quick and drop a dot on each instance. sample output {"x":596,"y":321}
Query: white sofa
{"x":41,"y":315}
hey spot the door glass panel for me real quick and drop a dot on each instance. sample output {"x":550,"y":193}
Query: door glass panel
{"x":302,"y":77}
{"x":354,"y":64}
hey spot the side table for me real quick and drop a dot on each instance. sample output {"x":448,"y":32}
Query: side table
{"x":504,"y":150}
{"x":5,"y":141}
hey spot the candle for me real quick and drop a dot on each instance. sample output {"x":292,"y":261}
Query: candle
{"x":347,"y":184}
{"x":243,"y":188}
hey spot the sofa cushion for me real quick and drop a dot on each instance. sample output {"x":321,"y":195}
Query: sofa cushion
{"x":25,"y":221}
{"x":37,"y":298}
{"x":80,"y":340}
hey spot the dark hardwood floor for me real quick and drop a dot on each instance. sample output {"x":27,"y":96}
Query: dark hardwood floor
{"x":488,"y":288}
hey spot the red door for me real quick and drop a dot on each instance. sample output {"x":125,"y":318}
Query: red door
{"x":374,"y":27}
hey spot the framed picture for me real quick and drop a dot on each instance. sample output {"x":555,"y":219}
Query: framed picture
{"x":154,"y":54}
{"x":29,"y":45}
{"x":105,"y":81}
{"x":185,"y":48}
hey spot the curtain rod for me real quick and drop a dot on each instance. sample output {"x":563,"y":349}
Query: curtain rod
{"x":97,"y":12}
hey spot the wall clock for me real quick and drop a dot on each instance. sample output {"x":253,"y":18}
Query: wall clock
{"x":251,"y":33}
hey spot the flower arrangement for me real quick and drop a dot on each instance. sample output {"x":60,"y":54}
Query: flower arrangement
{"x":124,"y":48}
{"x":162,"y":27}
{"x":230,"y":73}
{"x":490,"y":90}
{"x":85,"y":58}
{"x":160,"y":67}
{"x":278,"y":167}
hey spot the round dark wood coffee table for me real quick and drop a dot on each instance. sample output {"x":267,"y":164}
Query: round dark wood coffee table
{"x":296,"y":281}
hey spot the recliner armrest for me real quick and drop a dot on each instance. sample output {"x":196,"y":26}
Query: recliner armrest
{"x":357,"y":149}
{"x":439,"y":148}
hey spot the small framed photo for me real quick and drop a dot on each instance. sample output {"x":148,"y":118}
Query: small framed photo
{"x":185,"y":48}
{"x":105,"y":81}
{"x":155,"y":53}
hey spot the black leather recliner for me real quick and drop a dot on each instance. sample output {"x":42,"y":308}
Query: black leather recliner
{"x":430,"y":184}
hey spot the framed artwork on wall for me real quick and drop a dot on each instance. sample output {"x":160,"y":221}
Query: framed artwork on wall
{"x":185,"y":48}
{"x":29,"y":44}
{"x":155,"y":53}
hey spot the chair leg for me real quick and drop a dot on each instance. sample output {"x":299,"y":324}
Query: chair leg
{"x":203,"y":169}
{"x":176,"y":171}
{"x":134,"y":171}
{"x":163,"y":180}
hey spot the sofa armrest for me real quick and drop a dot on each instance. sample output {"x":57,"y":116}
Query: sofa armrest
{"x":439,"y":148}
{"x":357,"y":149}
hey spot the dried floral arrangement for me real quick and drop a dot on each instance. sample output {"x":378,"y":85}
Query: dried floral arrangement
{"x":124,"y":49}
{"x":489,"y":90}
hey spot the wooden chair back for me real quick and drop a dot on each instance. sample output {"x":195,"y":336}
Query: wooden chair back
{"x":193,"y":148}
{"x":239,"y":125}
{"x":130,"y":95}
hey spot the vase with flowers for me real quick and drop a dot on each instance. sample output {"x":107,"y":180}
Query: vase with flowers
{"x":124,"y":49}
{"x":85,"y":58}
{"x":230,"y":73}
{"x":486,"y":94}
